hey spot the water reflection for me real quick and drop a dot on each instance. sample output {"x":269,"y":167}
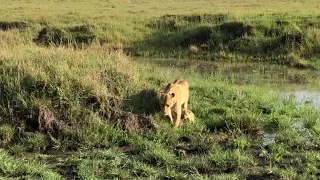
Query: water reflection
{"x":303,"y":97}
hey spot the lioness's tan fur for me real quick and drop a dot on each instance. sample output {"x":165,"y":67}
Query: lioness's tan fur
{"x":175,"y":97}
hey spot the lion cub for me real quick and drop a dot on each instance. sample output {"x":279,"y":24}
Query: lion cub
{"x":189,"y":116}
{"x":174,"y":98}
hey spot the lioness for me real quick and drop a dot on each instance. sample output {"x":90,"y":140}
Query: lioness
{"x":174,"y":96}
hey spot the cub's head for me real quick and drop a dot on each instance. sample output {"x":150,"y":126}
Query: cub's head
{"x":166,"y":101}
{"x":189,"y":116}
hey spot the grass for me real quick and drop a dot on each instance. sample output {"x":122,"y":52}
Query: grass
{"x":74,"y":103}
{"x":75,"y":95}
{"x":18,"y":168}
{"x":218,"y":30}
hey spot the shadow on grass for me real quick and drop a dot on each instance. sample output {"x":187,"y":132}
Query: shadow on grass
{"x":5,"y":25}
{"x":44,"y":111}
{"x":197,"y":37}
{"x":145,"y":102}
{"x":75,"y":35}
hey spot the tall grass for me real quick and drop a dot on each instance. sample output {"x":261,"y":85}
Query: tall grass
{"x":65,"y":99}
{"x":84,"y":109}
{"x":202,"y":30}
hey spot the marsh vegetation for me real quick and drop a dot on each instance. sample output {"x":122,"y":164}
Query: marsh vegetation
{"x":79,"y":83}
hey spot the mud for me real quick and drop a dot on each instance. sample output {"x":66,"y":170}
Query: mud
{"x":263,"y":176}
{"x":192,"y":146}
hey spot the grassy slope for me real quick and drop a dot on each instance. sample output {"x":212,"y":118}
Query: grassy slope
{"x":287,"y":35}
{"x":77,"y":89}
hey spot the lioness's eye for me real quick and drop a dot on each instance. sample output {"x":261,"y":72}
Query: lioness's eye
{"x":167,"y":105}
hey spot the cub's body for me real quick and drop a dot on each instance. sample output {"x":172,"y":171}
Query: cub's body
{"x":189,"y":116}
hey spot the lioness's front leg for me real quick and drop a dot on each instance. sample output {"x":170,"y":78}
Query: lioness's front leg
{"x":178,"y":118}
{"x":170,"y":116}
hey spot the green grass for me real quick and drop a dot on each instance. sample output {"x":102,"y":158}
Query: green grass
{"x":91,"y":111}
{"x":77,"y":92}
{"x":229,"y":31}
{"x":18,"y":168}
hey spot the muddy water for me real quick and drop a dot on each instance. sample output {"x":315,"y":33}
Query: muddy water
{"x":304,"y":85}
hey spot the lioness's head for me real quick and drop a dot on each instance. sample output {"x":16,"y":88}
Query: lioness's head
{"x":166,"y":102}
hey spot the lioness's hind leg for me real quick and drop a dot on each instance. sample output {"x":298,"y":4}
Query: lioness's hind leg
{"x":178,"y":118}
{"x":185,"y":107}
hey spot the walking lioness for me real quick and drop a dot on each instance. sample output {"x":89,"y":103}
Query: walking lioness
{"x":173,"y":98}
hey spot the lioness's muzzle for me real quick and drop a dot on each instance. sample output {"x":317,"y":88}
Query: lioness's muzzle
{"x":164,"y":113}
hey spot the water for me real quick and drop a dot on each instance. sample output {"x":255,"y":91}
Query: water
{"x":304,"y":85}
{"x":270,"y":138}
{"x":306,"y":96}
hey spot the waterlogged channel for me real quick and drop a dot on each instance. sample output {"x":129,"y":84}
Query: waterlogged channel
{"x":304,"y":85}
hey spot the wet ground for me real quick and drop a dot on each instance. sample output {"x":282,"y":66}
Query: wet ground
{"x":303,"y":85}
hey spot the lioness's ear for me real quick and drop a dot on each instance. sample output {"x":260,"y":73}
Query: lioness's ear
{"x":172,"y":94}
{"x":168,"y":86}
